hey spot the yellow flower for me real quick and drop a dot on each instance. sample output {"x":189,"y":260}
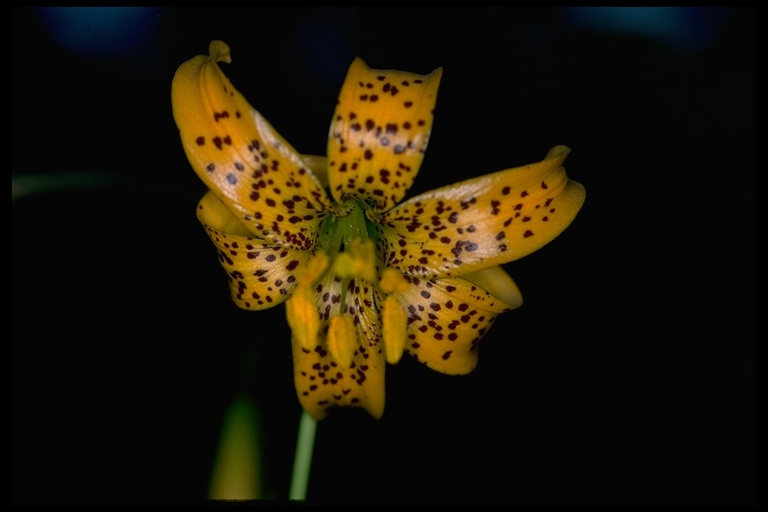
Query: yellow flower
{"x":365,"y":276}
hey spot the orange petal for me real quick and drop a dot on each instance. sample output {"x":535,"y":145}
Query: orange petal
{"x":379,"y":133}
{"x":261,"y":275}
{"x":239,"y":156}
{"x":446,"y":319}
{"x":481,"y":222}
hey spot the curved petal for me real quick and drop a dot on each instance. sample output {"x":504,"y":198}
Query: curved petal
{"x":498,"y":283}
{"x":481,"y":222}
{"x":320,"y":383}
{"x":379,"y":133}
{"x":261,"y":275}
{"x":239,"y":156}
{"x":446,"y":319}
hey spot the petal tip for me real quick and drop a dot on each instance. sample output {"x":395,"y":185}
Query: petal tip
{"x":219,"y":51}
{"x":558,"y":151}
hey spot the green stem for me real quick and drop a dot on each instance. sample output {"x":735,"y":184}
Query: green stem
{"x":302,"y":460}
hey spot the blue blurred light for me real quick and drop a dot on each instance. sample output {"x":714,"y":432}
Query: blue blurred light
{"x":328,"y":53}
{"x":100,"y":31}
{"x":685,"y":28}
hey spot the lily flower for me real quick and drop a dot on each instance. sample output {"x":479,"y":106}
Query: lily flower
{"x":365,"y":275}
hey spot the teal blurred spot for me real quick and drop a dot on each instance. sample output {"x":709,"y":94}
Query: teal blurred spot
{"x":686,"y":28}
{"x":100,"y":31}
{"x":328,"y":52}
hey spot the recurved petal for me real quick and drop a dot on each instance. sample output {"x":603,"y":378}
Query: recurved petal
{"x":481,"y":222}
{"x":446,"y":320}
{"x":379,"y":133}
{"x":498,"y":283}
{"x":261,"y":275}
{"x":320,"y":382}
{"x":239,"y":156}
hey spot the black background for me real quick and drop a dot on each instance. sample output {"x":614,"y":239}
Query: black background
{"x":627,"y":377}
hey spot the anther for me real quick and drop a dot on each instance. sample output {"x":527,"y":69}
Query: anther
{"x":394,"y":321}
{"x":359,"y":260}
{"x":301,"y":307}
{"x":342,"y":340}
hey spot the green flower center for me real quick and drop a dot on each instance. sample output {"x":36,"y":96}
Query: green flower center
{"x":347,"y":223}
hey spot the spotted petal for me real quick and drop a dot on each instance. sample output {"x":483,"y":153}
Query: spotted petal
{"x":239,"y":156}
{"x":446,"y":320}
{"x":481,"y":222}
{"x":261,"y":275}
{"x":320,"y":383}
{"x":379,"y":133}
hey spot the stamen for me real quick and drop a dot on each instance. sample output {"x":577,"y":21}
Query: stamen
{"x":392,"y":281}
{"x":393,"y":317}
{"x":301,"y":308}
{"x":303,"y":317}
{"x":342,"y":340}
{"x":315,"y":269}
{"x":394,"y":321}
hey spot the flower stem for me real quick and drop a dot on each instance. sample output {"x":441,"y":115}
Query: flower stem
{"x":302,"y":460}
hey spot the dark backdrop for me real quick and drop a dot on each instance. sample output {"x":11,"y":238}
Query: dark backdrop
{"x":627,"y":377}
